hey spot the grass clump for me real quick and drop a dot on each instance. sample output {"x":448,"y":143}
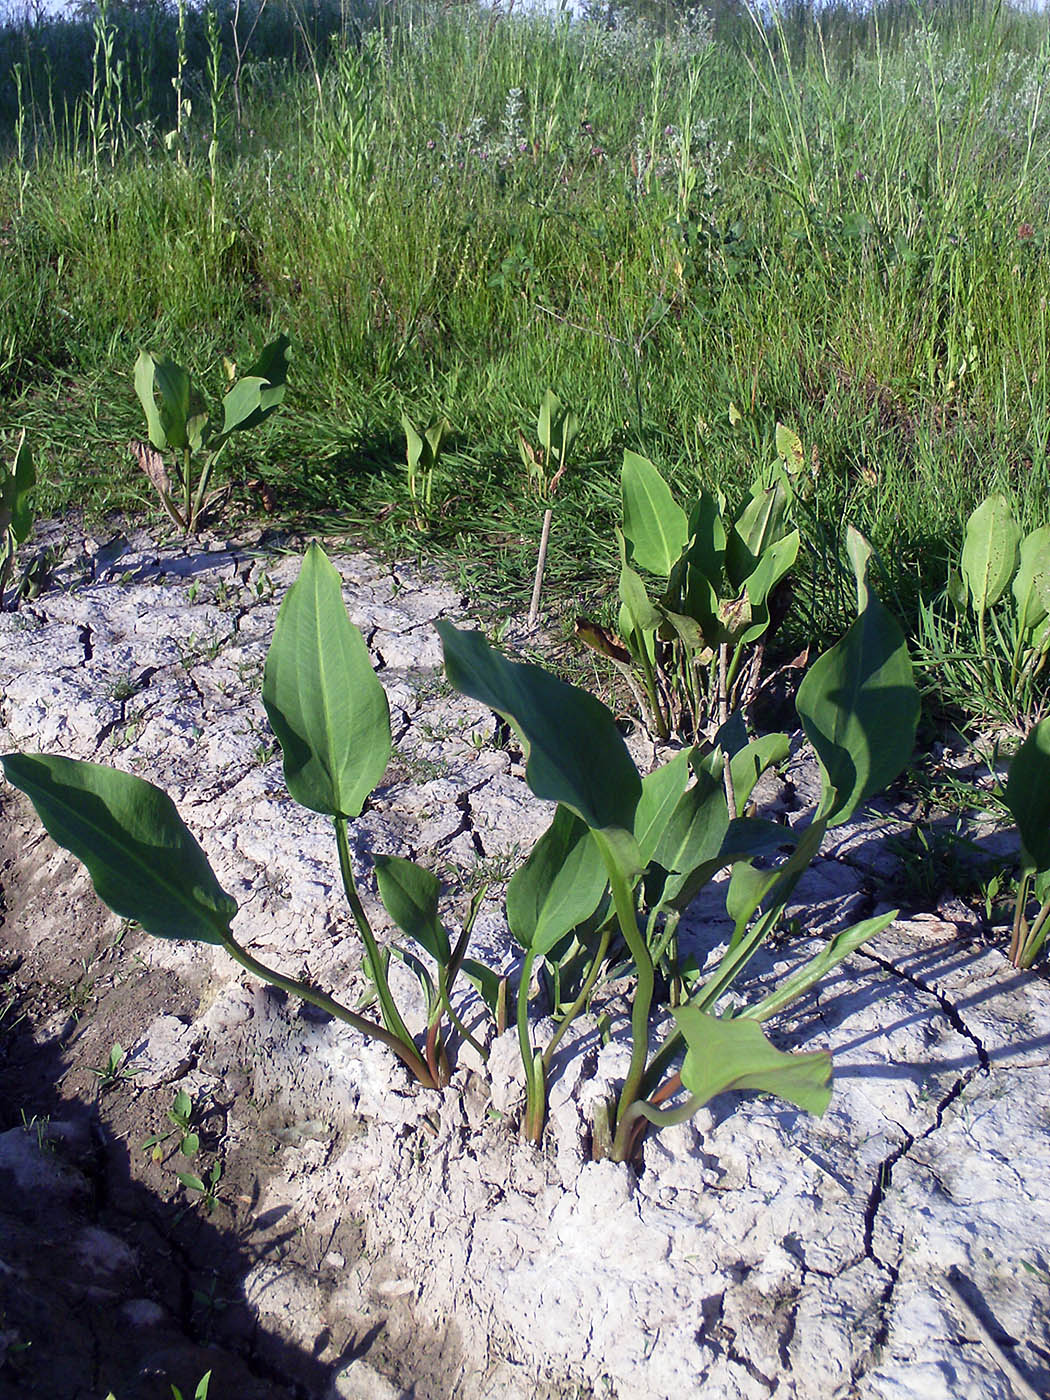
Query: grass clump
{"x":689,"y":229}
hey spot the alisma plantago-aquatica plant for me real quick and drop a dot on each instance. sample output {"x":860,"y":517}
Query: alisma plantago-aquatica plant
{"x":693,"y":652}
{"x":985,"y":643}
{"x":621,"y":860}
{"x":178,"y":422}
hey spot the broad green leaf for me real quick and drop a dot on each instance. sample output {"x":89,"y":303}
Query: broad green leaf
{"x":413,"y":442}
{"x":327,"y":709}
{"x":859,"y":552}
{"x":259,"y":391}
{"x":696,"y":827}
{"x":145,"y":376}
{"x":860,"y":708}
{"x":654,"y":524}
{"x":1027,"y":795}
{"x":989,"y":553}
{"x":643,"y":615}
{"x":182,"y":415}
{"x":748,"y":765}
{"x":560,"y":885}
{"x":16,"y":483}
{"x":410,"y":896}
{"x":142,"y":860}
{"x":662,"y":790}
{"x":735,"y":1054}
{"x":700,"y":601}
{"x":707,"y":538}
{"x":485,"y":982}
{"x":575,"y":753}
{"x":1031,"y":586}
{"x":758,"y":525}
{"x":775,"y":562}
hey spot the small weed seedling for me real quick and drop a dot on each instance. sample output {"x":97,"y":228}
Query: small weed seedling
{"x":422,"y":452}
{"x":179,"y":423}
{"x":180,"y":1115}
{"x":204,"y":1190}
{"x":556,"y":427}
{"x":115,"y":1071}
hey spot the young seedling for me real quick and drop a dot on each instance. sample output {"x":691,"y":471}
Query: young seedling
{"x":421,"y":455}
{"x":179,"y":423}
{"x":115,"y":1071}
{"x":206,"y":1190}
{"x":556,"y":427}
{"x":180,"y":1115}
{"x":16,"y":512}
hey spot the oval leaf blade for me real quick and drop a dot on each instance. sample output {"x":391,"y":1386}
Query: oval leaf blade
{"x":860,"y":709}
{"x":735,"y":1054}
{"x":142,"y":859}
{"x":559,"y":887}
{"x":653,"y":522}
{"x":989,"y":554}
{"x":326,"y":706}
{"x":575,"y":754}
{"x":1031,"y":587}
{"x":410,"y":896}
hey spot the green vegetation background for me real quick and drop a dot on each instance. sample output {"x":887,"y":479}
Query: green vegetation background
{"x":689,"y":229}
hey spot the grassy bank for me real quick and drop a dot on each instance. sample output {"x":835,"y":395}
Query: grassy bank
{"x":834,"y":220}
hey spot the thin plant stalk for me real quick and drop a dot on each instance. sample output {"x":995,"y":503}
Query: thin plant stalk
{"x":409,"y":1057}
{"x":541,"y":564}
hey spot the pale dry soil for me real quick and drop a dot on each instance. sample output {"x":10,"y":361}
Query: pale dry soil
{"x":367,"y":1240}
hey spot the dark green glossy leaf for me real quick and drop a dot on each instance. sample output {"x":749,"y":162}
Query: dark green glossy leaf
{"x":575,"y":754}
{"x":142,"y":860}
{"x":327,"y":708}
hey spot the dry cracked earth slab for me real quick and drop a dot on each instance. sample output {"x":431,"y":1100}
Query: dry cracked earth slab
{"x":364,"y":1240}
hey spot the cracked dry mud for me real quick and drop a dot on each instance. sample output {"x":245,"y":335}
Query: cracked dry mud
{"x":357,"y":1251}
